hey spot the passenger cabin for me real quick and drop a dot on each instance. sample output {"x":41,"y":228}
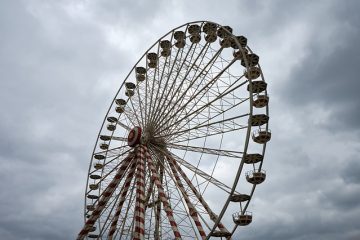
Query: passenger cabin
{"x":93,"y":186}
{"x":256,"y":177}
{"x":252,"y":158}
{"x":252,"y":73}
{"x":95,"y":176}
{"x":91,"y":196}
{"x":258,"y":119}
{"x":261,"y":136}
{"x":242,"y":219}
{"x":221,"y":234}
{"x":240,"y":198}
{"x":111,"y":127}
{"x":257,"y":86}
{"x":260,"y":100}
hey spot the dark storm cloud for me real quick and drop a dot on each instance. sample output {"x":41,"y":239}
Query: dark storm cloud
{"x":47,"y":88}
{"x":328,"y":76}
{"x":59,"y":71}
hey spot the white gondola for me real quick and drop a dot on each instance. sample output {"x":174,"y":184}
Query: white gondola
{"x":239,"y":54}
{"x":221,"y":234}
{"x":99,"y":156}
{"x":224,"y":31}
{"x":111,"y":119}
{"x":111,"y":127}
{"x":195,"y":38}
{"x":251,"y":158}
{"x":257,"y":86}
{"x":93,"y":197}
{"x":194,"y":29}
{"x":140,"y":70}
{"x":242,"y":219}
{"x":252,"y":60}
{"x":129,"y":92}
{"x":260,"y":100}
{"x":130,"y":85}
{"x":95,"y":176}
{"x":225,"y":43}
{"x":241,"y":40}
{"x":105,"y":138}
{"x":98,"y":166}
{"x":179,"y":35}
{"x":165,"y":44}
{"x":210,"y":38}
{"x":258,"y":119}
{"x":261,"y":136}
{"x":120,"y":102}
{"x":165,"y":52}
{"x":256,"y":177}
{"x":120,"y":109}
{"x":240,"y":198}
{"x":104,"y":146}
{"x":180,"y":43}
{"x":90,"y":207}
{"x":94,"y":186}
{"x":209,"y":28}
{"x":252,"y":73}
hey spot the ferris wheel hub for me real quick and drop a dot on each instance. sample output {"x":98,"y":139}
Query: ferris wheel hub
{"x":134,"y":137}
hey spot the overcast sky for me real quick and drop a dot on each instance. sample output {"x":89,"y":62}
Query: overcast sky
{"x":61,"y":63}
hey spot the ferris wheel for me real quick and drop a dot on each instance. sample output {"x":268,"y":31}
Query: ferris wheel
{"x":181,"y":148}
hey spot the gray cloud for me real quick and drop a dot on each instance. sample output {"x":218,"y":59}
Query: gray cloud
{"x":61,"y":63}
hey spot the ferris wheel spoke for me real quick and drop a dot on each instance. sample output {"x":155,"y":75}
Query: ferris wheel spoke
{"x":222,"y":126}
{"x":122,"y":196}
{"x":104,"y":178}
{"x":129,"y":118}
{"x":212,"y":151}
{"x":171,"y":90}
{"x":160,"y":101}
{"x":200,"y":135}
{"x":196,"y":92}
{"x":159,"y":87}
{"x":104,"y":198}
{"x":106,"y":164}
{"x":156,"y":71}
{"x":114,"y":152}
{"x":175,"y":91}
{"x":196,"y":77}
{"x":201,"y":173}
{"x":184,"y":214}
{"x":212,"y":215}
{"x":212,"y":117}
{"x":178,"y":205}
{"x":204,"y":77}
{"x":107,"y":212}
{"x":195,"y":112}
{"x":192,"y":210}
{"x":196,"y":170}
{"x":169,"y":75}
{"x":163,"y":197}
{"x":130,"y":201}
{"x":134,"y":112}
{"x":139,"y":106}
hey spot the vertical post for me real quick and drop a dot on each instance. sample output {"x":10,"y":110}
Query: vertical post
{"x":139,"y":231}
{"x":162,"y":195}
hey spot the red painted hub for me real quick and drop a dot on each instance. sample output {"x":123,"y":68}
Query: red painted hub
{"x":134,"y":136}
